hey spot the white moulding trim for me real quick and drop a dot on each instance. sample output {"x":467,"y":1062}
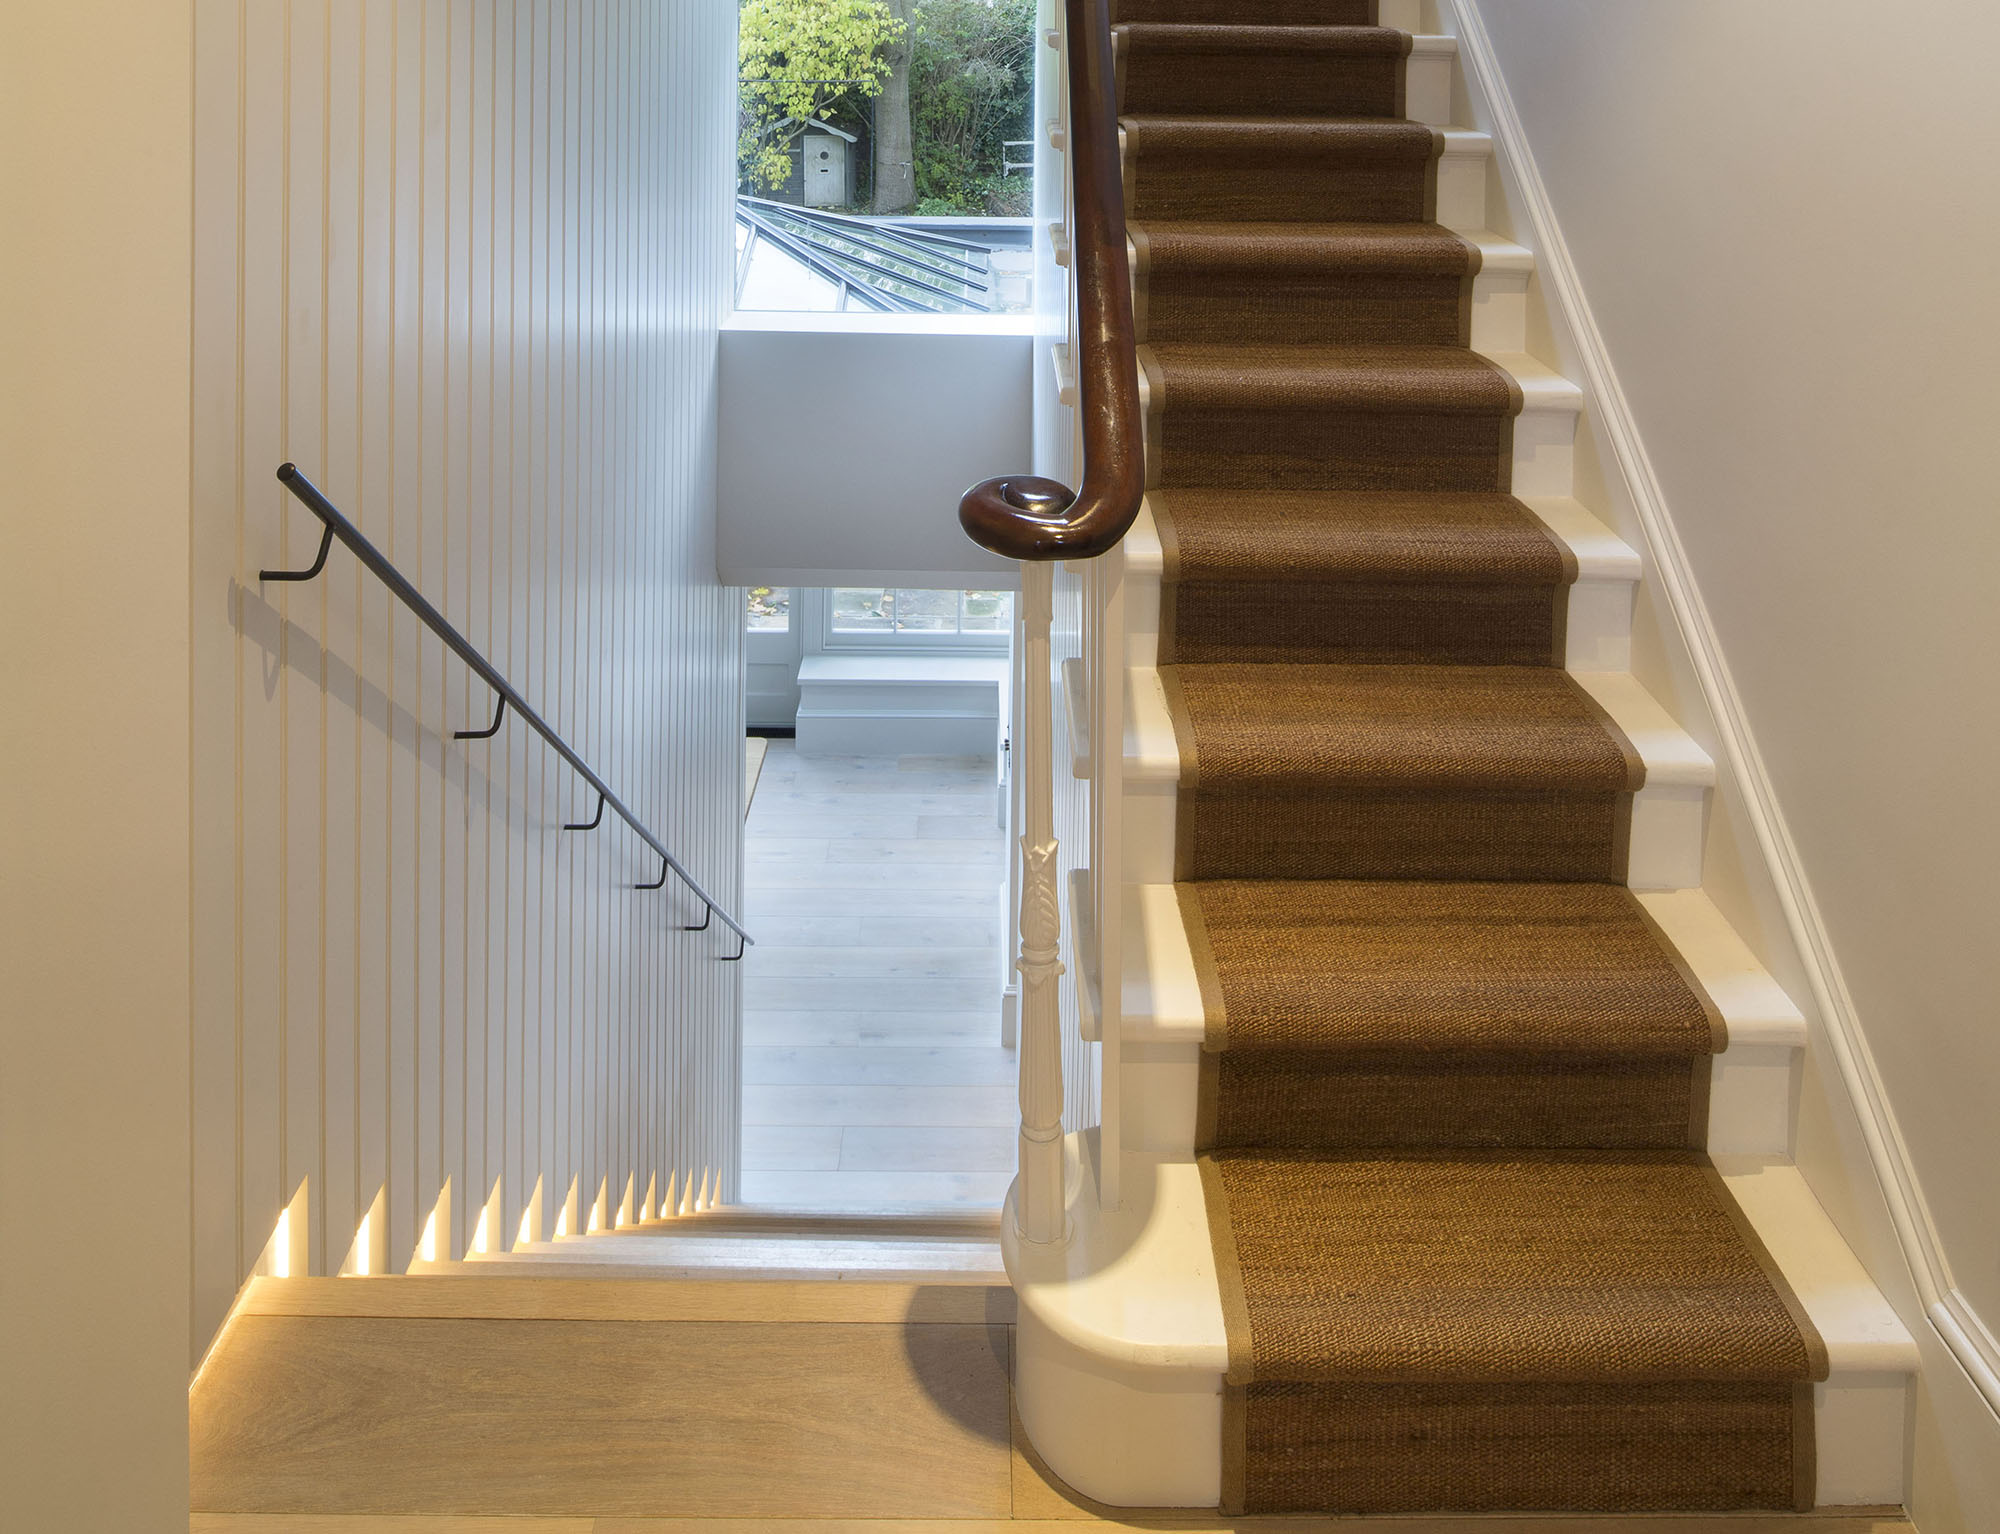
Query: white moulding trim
{"x":1960,"y":1328}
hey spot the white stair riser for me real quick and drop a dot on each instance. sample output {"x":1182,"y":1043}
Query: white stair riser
{"x":1427,"y":83}
{"x":1402,"y":15}
{"x":1749,"y":1111}
{"x":1599,"y":636}
{"x":1461,"y":182}
{"x":1860,"y":1422}
{"x":1151,"y":1437}
{"x":1500,"y":311}
{"x":1668,"y":825}
{"x":1544,"y":452}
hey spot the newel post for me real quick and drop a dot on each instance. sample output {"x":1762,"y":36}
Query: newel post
{"x":1039,"y":1212}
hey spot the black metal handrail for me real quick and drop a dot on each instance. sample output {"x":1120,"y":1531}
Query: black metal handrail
{"x":337,"y":526}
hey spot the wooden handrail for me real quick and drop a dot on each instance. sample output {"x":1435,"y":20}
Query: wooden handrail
{"x":1027,"y":516}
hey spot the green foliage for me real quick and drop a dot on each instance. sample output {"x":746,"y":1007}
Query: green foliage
{"x":800,"y":59}
{"x":971,"y":86}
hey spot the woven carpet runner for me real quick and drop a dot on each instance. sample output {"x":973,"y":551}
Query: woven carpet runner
{"x":1455,"y":1088}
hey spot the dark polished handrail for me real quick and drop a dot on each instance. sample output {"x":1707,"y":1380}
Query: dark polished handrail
{"x":1026,"y":516}
{"x":337,"y":526}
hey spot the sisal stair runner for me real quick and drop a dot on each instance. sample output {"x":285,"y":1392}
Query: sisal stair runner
{"x":1454,"y":1091}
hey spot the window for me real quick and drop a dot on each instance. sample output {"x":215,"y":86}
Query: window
{"x":769,"y":609}
{"x":860,"y":616}
{"x":941,"y":219}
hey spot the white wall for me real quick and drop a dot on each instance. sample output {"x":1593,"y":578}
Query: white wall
{"x":464,"y":262}
{"x":95,"y":109}
{"x":1783,"y":216}
{"x":847,"y":440}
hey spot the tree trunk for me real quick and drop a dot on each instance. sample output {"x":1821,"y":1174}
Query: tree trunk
{"x":895,"y":168}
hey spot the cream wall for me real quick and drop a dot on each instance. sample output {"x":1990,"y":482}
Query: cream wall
{"x":464,"y":262}
{"x":1783,"y":216}
{"x":94,"y":120}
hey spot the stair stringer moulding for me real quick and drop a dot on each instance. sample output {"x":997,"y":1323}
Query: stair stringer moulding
{"x":1970,"y":1341}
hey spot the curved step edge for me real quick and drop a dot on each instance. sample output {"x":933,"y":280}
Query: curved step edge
{"x":1120,"y":1347}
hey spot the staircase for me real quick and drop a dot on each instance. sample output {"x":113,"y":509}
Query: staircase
{"x":1262,"y":146}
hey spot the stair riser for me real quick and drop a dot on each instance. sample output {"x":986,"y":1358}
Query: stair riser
{"x":1427,"y":84}
{"x":1461,"y":182}
{"x":1750,"y":1099}
{"x":1152,"y":1437}
{"x":1668,"y":826}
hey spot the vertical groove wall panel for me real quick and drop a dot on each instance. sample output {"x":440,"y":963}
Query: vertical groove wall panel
{"x":463,"y":262}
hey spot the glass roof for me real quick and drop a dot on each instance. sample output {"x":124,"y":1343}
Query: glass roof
{"x":797,"y":258}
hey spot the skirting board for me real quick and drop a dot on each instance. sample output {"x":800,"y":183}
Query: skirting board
{"x":1970,"y":1340}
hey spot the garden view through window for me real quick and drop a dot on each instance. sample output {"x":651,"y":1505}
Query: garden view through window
{"x":885,"y":155}
{"x":895,"y":613}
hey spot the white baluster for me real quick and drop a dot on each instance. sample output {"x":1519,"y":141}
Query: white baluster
{"x":1039,"y":1212}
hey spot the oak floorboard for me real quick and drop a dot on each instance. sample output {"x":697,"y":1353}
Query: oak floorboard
{"x":791,"y":993}
{"x":791,"y":1147}
{"x":982,"y":900}
{"x":293,"y":1523}
{"x":897,"y":1147}
{"x":574,"y":1418}
{"x":1546,"y":1523}
{"x":875,"y":931}
{"x":916,"y":1065}
{"x":874,"y":885}
{"x":856,"y":962}
{"x":384,"y":1523}
{"x":875,"y":1190}
{"x":784,"y":1029}
{"x":531,"y":1297}
{"x":925,"y":1106}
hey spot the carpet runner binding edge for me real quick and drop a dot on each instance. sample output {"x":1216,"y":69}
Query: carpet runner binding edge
{"x":1454,"y":1087}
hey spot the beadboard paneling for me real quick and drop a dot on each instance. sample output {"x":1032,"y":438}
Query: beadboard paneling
{"x":463,"y":262}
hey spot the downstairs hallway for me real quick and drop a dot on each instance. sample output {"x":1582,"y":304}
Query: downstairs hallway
{"x":874,"y":1075}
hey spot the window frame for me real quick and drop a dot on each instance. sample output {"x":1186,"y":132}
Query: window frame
{"x":908,"y":642}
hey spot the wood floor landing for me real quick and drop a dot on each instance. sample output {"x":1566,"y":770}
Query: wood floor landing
{"x":873,"y":1074}
{"x":439,"y":1405}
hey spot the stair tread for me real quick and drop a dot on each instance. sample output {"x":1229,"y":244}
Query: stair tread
{"x":1278,"y":12}
{"x":1330,"y":249}
{"x":1389,"y":726}
{"x":1318,"y":377}
{"x":1137,"y":1285}
{"x":1449,"y":537}
{"x":1600,"y":553}
{"x":1363,"y":965}
{"x":1206,"y":37}
{"x":1671,"y":756}
{"x":1262,"y":132}
{"x":1509,"y":1265}
{"x":1162,"y":1001}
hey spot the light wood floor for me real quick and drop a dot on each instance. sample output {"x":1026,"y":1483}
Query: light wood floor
{"x":872,"y":1068}
{"x":437,"y":1405}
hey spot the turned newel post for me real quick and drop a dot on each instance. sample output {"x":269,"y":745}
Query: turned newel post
{"x":1039,"y":521}
{"x":1039,"y":1213}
